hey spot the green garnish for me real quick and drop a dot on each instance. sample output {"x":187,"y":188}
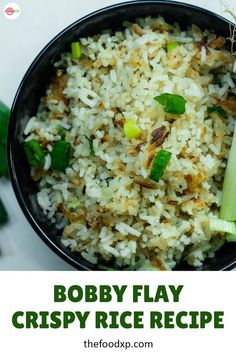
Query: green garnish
{"x":217,"y":109}
{"x":231,"y":238}
{"x":34,"y":153}
{"x":229,"y":227}
{"x":3,"y":213}
{"x":131,"y":129}
{"x":171,"y":45}
{"x":4,"y":117}
{"x":3,"y":162}
{"x":75,"y":50}
{"x":228,"y":205}
{"x":59,"y":72}
{"x":171,"y":103}
{"x":159,"y":164}
{"x":91,"y":147}
{"x":151,"y":67}
{"x":108,"y":181}
{"x":60,"y":155}
{"x":119,"y":110}
{"x":223,"y":226}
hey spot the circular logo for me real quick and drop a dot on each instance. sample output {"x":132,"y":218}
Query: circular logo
{"x":12,"y":11}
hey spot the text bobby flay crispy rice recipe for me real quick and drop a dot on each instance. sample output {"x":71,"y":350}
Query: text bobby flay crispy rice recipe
{"x":129,"y":313}
{"x":115,"y":319}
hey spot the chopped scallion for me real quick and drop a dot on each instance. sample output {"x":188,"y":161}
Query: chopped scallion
{"x":231,"y":238}
{"x":223,"y":226}
{"x":171,"y":46}
{"x":3,"y":162}
{"x":91,"y":147}
{"x":171,"y":103}
{"x":60,"y":155}
{"x":159,"y":165}
{"x":131,"y":129}
{"x":228,"y":205}
{"x":151,"y":67}
{"x":59,"y":72}
{"x":217,"y":109}
{"x":75,"y":50}
{"x":34,"y":153}
{"x":4,"y":117}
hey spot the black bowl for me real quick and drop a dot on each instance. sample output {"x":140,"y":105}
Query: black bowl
{"x":38,"y":76}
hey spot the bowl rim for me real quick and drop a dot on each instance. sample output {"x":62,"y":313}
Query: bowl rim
{"x":10,"y":142}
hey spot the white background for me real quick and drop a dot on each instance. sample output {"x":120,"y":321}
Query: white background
{"x":203,"y":291}
{"x":20,"y":42}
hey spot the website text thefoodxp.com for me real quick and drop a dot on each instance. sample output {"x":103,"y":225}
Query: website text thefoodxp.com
{"x":89,"y":344}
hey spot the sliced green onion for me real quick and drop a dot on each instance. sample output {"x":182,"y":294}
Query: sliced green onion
{"x":59,"y":72}
{"x":75,"y":50}
{"x":3,"y":213}
{"x":217,"y":109}
{"x":231,"y":238}
{"x":159,"y":164}
{"x":3,"y":162}
{"x":60,"y":155}
{"x":4,"y":118}
{"x":131,"y":129}
{"x":223,"y":226}
{"x":171,"y":45}
{"x":119,"y":110}
{"x":171,"y":103}
{"x":228,"y":205}
{"x":34,"y":153}
{"x":91,"y":147}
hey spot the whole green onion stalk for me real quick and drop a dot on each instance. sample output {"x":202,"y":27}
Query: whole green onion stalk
{"x":4,"y":118}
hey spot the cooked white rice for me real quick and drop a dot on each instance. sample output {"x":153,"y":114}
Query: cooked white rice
{"x":104,"y":211}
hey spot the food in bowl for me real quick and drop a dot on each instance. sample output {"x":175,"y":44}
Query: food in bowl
{"x":130,"y":144}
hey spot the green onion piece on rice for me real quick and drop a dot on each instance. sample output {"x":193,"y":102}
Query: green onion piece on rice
{"x":228,"y":206}
{"x":159,"y":164}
